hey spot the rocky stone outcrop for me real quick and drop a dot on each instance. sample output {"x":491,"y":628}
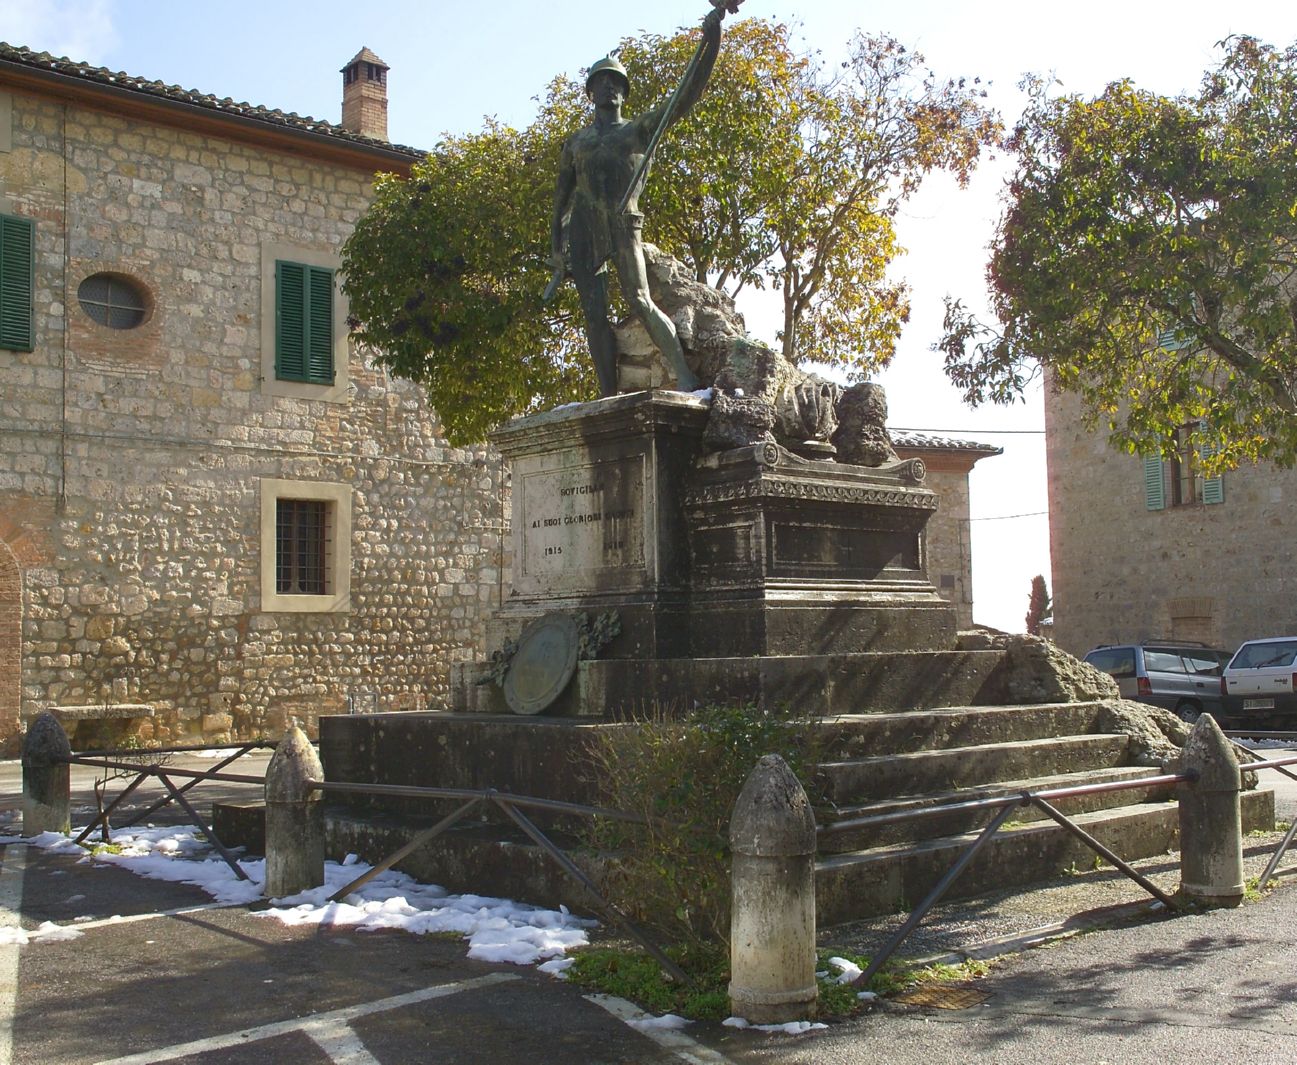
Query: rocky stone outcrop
{"x":1037,"y":671}
{"x":761,"y":397}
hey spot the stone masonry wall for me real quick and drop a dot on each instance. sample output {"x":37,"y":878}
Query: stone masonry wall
{"x":1219,"y":573}
{"x":950,"y":560}
{"x":131,"y":461}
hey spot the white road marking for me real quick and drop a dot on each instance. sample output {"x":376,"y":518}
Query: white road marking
{"x":672,"y":1039}
{"x":13,"y":860}
{"x":327,"y":1025}
{"x":105,"y":922}
{"x":342,"y":1044}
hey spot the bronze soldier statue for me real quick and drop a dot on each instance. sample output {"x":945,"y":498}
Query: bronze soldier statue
{"x":596,"y":204}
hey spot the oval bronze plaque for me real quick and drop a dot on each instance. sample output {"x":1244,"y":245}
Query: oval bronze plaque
{"x":543,"y":664}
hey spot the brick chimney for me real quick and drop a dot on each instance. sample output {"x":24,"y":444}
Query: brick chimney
{"x":364,"y":95}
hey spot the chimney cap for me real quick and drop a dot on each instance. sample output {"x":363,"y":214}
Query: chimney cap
{"x":365,"y":56}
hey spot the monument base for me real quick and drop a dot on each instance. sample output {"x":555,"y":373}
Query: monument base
{"x":620,"y":513}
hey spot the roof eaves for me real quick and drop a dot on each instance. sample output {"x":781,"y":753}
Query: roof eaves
{"x":99,"y":80}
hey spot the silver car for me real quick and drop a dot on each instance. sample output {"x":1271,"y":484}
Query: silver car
{"x":1178,"y":676}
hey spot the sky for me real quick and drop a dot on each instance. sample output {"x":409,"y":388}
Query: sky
{"x":453,"y":64}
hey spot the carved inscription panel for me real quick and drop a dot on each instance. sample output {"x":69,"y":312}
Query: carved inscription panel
{"x":582,"y":526}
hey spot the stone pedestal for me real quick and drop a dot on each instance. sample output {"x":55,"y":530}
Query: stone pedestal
{"x":745,"y":554}
{"x":598,"y":519}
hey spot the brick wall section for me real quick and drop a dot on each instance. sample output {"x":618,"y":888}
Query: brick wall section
{"x":1220,"y":573}
{"x":147,"y":587}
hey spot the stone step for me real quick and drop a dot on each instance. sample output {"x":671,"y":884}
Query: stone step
{"x":868,"y":734}
{"x":870,"y":832}
{"x":816,"y":685}
{"x":922,"y":772}
{"x":896,"y":878}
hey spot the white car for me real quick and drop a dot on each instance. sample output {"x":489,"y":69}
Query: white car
{"x":1261,"y":679}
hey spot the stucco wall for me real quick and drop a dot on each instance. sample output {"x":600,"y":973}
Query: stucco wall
{"x":1221,"y":573}
{"x":132,"y":460}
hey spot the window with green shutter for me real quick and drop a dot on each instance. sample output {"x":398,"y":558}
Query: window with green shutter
{"x":1179,"y":481}
{"x":303,"y":323}
{"x":1213,"y":488}
{"x":1154,"y":486}
{"x":17,"y":269}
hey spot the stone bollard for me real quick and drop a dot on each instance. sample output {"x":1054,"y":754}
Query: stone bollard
{"x":294,"y":818}
{"x":772,"y":918}
{"x":1211,"y":825}
{"x":47,"y":778}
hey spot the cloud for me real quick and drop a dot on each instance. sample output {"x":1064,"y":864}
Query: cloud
{"x":78,"y":29}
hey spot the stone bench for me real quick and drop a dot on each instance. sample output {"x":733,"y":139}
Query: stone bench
{"x":101,"y":725}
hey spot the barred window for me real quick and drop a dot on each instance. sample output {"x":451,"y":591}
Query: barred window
{"x":113,"y":300}
{"x":303,"y":539}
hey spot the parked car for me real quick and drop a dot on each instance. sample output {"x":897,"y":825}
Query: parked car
{"x":1183,"y":677}
{"x":1261,"y":680}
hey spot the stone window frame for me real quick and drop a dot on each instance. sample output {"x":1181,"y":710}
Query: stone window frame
{"x":338,"y":392}
{"x":338,"y":497}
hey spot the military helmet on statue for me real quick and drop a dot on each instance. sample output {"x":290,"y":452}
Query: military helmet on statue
{"x":612,"y":64}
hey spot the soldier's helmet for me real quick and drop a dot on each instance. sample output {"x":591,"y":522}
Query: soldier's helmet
{"x":612,"y":64}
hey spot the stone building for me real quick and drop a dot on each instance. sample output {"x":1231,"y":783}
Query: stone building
{"x":950,"y":556}
{"x":1143,"y":547}
{"x":215,"y":512}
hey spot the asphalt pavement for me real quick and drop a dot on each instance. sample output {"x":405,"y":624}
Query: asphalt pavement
{"x":159,"y":974}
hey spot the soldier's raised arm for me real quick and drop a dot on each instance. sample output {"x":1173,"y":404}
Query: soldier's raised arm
{"x":695,"y":79}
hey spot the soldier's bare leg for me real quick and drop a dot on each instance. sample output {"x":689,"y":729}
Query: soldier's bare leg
{"x":633,"y":276}
{"x":593,"y":290}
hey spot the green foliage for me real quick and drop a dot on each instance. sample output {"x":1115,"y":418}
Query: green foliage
{"x":633,"y":975}
{"x":1039,"y":606}
{"x":445,"y":273}
{"x":786,"y":174}
{"x":1145,"y":260}
{"x":673,"y":873}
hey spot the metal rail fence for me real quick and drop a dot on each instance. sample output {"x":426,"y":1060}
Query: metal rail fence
{"x":513,"y":806}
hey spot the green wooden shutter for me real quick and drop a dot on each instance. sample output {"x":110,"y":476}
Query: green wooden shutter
{"x":290,"y":322}
{"x":1154,"y":488}
{"x":303,"y":323}
{"x":17,"y":268}
{"x":1213,"y":488}
{"x":319,"y":353}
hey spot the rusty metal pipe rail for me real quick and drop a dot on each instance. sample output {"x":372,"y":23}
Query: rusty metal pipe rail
{"x":1235,"y":733}
{"x":190,"y":749}
{"x":165,"y":770}
{"x":410,"y":791}
{"x":996,"y":802}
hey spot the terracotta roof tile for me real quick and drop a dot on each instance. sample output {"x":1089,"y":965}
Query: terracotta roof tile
{"x":61,"y":65}
{"x":908,"y":438}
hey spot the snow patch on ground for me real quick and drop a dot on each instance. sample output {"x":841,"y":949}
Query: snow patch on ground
{"x":667,"y":1020}
{"x":847,"y":970}
{"x":48,"y":932}
{"x":790,"y":1028}
{"x":497,"y":930}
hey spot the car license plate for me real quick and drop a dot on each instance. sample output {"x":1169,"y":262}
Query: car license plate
{"x":1258,"y":704}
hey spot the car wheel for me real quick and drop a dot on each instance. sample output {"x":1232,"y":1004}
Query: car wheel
{"x":1187,"y":711}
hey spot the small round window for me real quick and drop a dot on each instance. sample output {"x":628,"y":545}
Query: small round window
{"x":113,"y":300}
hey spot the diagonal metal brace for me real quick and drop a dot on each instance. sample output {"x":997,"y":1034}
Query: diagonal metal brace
{"x":934,"y":896}
{"x":102,"y":817}
{"x":202,"y":826}
{"x":419,"y":839}
{"x":166,"y":799}
{"x":1100,"y":849}
{"x":576,"y":872}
